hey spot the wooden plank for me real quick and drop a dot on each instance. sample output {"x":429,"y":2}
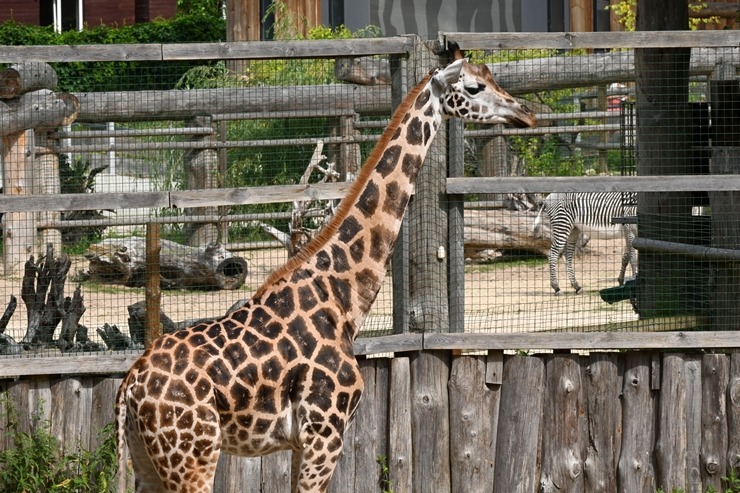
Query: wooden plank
{"x":430,"y":424}
{"x":693,"y":423}
{"x":382,"y":396}
{"x":528,"y":184}
{"x":604,"y":410}
{"x":635,"y":467}
{"x":255,"y":50}
{"x":364,"y":446}
{"x":103,"y":398}
{"x":495,"y":368}
{"x":562,"y":468}
{"x":399,"y":422}
{"x":577,"y":40}
{"x":103,"y":363}
{"x":586,"y":341}
{"x":671,"y":443}
{"x":519,"y":425}
{"x":84,"y":201}
{"x":276,"y":472}
{"x":715,"y":377}
{"x":81,"y":53}
{"x":472,"y":414}
{"x":238,"y":474}
{"x":733,"y":413}
{"x":397,"y":343}
{"x":256,"y":195}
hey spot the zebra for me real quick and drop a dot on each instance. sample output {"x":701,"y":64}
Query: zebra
{"x":574,"y":213}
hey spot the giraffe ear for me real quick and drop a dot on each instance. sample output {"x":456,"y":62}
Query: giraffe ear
{"x":448,"y":75}
{"x":455,"y":51}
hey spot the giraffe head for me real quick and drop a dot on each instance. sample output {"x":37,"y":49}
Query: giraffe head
{"x":468,"y":91}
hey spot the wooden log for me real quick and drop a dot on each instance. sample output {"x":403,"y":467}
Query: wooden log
{"x":399,"y":422}
{"x":123,"y":261}
{"x":19,"y":228}
{"x":152,"y":289}
{"x":715,"y":377}
{"x":520,"y":425}
{"x":671,"y":443}
{"x":473,"y":411}
{"x":604,"y":423}
{"x":488,"y":234}
{"x":25,"y":77}
{"x":693,"y":423}
{"x":365,"y":71}
{"x":635,"y":466}
{"x":733,"y":413}
{"x":562,"y":468}
{"x":430,"y":421}
{"x":72,"y":311}
{"x":38,"y":109}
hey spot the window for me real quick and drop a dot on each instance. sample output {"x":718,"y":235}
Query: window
{"x":64,"y":15}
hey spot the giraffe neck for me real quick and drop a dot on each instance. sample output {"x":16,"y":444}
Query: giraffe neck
{"x":346,"y":263}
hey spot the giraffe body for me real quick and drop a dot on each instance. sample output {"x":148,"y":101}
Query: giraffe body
{"x":280,"y":372}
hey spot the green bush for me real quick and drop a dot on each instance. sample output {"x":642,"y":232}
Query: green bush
{"x":121,"y":76}
{"x":34,"y":462}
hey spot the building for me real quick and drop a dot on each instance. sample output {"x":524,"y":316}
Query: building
{"x":67,"y":15}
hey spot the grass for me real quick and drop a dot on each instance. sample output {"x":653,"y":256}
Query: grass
{"x":504,"y":263}
{"x":33,"y":462}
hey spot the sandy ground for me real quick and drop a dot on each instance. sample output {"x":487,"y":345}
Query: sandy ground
{"x":499,"y":298}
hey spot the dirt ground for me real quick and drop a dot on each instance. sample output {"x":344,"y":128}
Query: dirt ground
{"x":499,"y":298}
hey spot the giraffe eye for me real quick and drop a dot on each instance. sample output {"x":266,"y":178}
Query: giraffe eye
{"x":475,"y":89}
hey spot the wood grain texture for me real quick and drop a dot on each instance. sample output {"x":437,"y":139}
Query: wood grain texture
{"x":602,"y":389}
{"x":635,"y":468}
{"x":472,"y":442}
{"x":520,"y":425}
{"x":715,"y":377}
{"x":672,"y":439}
{"x":562,"y":463}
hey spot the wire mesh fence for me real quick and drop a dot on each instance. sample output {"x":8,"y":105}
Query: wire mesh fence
{"x":236,"y":164}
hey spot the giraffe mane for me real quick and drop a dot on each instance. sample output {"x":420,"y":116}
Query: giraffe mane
{"x":356,"y":188}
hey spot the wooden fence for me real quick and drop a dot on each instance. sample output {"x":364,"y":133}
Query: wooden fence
{"x":444,"y":422}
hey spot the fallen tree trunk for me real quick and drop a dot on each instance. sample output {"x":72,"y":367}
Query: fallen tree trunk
{"x":123,"y":261}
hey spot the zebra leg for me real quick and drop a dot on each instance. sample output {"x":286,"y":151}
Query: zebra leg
{"x":570,"y":249}
{"x":557,"y":244}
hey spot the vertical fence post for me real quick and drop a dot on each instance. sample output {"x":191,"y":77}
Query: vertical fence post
{"x":400,"y":259}
{"x":19,"y":234}
{"x":153,"y":292}
{"x":428,"y":231}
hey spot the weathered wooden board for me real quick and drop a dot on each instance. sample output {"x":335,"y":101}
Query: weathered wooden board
{"x":430,"y":427}
{"x":472,"y":435}
{"x":520,"y":425}
{"x":635,"y":468}
{"x":733,"y":413}
{"x":400,"y":472}
{"x":604,"y":410}
{"x":672,"y":438}
{"x":562,"y":463}
{"x":715,"y":374}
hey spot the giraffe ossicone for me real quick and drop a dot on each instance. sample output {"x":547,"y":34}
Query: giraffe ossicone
{"x":279,"y":373}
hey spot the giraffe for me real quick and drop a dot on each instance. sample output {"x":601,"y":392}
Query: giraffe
{"x":280,"y":373}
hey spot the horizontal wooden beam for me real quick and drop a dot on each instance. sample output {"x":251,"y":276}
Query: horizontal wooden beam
{"x":208,"y":51}
{"x":590,"y":184}
{"x":586,"y":341}
{"x":607,"y":40}
{"x":120,"y":362}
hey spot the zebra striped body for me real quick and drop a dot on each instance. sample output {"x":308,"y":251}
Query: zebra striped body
{"x":591,"y":213}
